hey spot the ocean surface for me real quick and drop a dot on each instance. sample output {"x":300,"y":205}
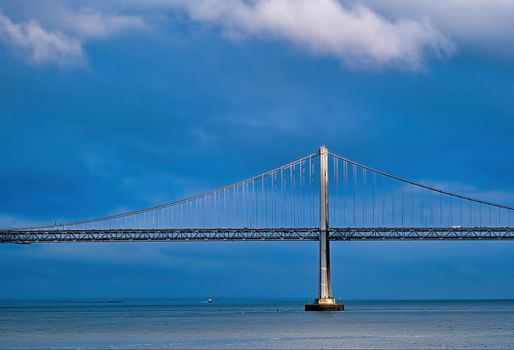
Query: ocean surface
{"x":252,"y":323}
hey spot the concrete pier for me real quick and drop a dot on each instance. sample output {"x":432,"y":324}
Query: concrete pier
{"x":324,"y":305}
{"x":325,"y":301}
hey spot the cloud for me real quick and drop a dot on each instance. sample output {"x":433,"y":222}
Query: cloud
{"x":90,"y":23}
{"x":360,"y":33}
{"x":61,"y":40}
{"x":40,"y":45}
{"x":483,"y":23}
{"x":355,"y":34}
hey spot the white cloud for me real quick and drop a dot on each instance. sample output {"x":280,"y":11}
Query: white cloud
{"x":359,"y":33}
{"x":60,"y":41}
{"x":356,"y":35}
{"x":90,"y":23}
{"x":353,"y":34}
{"x":482,"y":23}
{"x":40,"y":45}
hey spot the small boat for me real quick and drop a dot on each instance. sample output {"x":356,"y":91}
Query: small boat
{"x":209,"y":301}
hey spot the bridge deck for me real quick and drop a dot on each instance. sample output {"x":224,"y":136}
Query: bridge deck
{"x":256,"y":234}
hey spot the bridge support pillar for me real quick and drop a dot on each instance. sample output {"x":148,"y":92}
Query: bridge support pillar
{"x":325,"y":301}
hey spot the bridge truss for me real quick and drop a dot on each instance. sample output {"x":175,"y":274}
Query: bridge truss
{"x":258,"y":234}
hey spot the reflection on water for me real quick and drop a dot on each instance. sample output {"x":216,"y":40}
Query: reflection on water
{"x":234,"y":323}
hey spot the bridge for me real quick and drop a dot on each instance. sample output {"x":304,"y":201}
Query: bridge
{"x":320,"y":197}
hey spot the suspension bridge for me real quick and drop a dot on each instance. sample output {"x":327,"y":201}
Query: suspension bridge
{"x":320,"y":197}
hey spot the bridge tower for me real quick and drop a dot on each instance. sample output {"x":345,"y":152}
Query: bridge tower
{"x":325,"y":300}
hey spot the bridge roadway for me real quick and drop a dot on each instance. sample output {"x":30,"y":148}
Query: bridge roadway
{"x":257,"y":234}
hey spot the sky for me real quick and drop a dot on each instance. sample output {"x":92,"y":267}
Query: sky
{"x":108,"y":106}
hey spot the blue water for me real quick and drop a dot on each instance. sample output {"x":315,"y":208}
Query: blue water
{"x":232,"y":323}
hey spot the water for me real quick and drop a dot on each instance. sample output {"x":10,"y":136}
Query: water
{"x":232,"y":323}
